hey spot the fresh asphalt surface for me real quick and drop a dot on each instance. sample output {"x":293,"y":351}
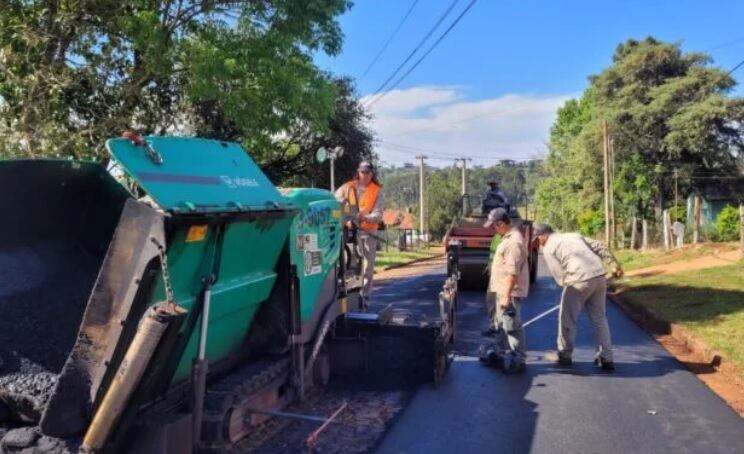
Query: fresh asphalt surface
{"x":650,"y":404}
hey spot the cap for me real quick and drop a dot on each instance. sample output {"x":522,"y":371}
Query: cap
{"x":497,"y":215}
{"x":542,"y":229}
{"x":492,"y":180}
{"x":365,"y":165}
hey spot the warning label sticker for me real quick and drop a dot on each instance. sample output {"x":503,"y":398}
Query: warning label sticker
{"x":312,"y":257}
{"x":307,"y":242}
{"x":313,"y":262}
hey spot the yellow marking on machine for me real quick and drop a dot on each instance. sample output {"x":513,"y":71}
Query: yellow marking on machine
{"x":196,"y":233}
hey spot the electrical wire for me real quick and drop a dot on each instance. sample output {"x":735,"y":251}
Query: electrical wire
{"x":741,"y":63}
{"x":417,"y":48}
{"x":389,"y":40}
{"x":440,"y":156}
{"x":426,"y":54}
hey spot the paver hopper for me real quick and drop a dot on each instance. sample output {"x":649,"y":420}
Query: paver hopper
{"x":246,"y":286}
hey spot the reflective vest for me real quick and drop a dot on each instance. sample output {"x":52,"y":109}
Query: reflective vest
{"x":366,"y":204}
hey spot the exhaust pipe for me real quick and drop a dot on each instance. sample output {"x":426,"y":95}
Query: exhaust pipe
{"x":140,"y":351}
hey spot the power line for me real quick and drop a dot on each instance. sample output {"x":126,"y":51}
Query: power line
{"x":722,"y":45}
{"x":389,"y":40}
{"x":436,"y":43}
{"x":736,"y":67}
{"x":416,"y":49}
{"x":416,"y":149}
{"x":439,"y":156}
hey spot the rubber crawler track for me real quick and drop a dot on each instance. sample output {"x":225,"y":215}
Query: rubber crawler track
{"x":230,"y":391}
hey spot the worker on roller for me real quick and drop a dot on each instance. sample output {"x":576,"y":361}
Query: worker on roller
{"x":508,"y":285}
{"x":576,"y":263}
{"x":494,"y":197}
{"x":365,"y":192}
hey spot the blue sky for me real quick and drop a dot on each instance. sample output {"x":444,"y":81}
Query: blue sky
{"x":490,"y":89}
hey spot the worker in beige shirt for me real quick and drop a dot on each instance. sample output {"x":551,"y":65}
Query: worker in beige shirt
{"x":508,"y":284}
{"x":577,"y":265}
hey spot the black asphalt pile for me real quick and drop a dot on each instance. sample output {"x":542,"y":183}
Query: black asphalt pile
{"x":357,"y":429}
{"x":43,"y":293}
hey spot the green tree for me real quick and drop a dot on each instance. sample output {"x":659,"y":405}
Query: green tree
{"x":444,"y":186}
{"x":295,"y":163}
{"x":667,"y":111}
{"x":727,"y":223}
{"x":401,"y":186}
{"x":590,"y":222}
{"x":443,"y":193}
{"x":75,"y":74}
{"x":571,"y":184}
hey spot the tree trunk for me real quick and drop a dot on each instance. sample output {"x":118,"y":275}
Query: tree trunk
{"x":645,"y":235}
{"x":659,"y":200}
{"x":633,"y":226}
{"x":741,"y":227}
{"x":696,"y":220}
{"x":665,"y":226}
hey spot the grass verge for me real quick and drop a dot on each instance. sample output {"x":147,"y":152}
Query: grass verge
{"x":709,"y":302}
{"x":633,"y":260}
{"x":395,"y":257}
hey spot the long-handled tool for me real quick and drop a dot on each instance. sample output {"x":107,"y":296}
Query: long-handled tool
{"x":534,"y":319}
{"x":312,"y":439}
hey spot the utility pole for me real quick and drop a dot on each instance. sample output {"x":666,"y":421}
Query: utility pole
{"x":741,"y":227}
{"x":336,"y":153}
{"x":333,"y":175}
{"x":611,"y":160}
{"x":464,"y":183}
{"x":605,"y":153}
{"x":421,"y":196}
{"x":464,"y":174}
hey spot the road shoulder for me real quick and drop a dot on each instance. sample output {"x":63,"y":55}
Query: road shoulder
{"x":722,"y":377}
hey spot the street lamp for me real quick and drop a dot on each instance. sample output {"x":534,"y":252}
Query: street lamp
{"x":322,"y":154}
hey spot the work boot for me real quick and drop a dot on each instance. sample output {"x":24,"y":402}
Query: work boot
{"x":515,"y":368}
{"x":488,"y":355}
{"x":559,"y":360}
{"x":604,"y":364}
{"x":512,"y":365}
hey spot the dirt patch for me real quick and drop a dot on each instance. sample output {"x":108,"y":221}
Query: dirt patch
{"x":708,"y":261}
{"x":414,"y":269}
{"x":722,"y":377}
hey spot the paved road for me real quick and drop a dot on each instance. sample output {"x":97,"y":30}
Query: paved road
{"x":651,"y":404}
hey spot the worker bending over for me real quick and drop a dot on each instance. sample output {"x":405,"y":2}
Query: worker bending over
{"x":576,"y":263}
{"x":365,"y":192}
{"x":508,"y":285}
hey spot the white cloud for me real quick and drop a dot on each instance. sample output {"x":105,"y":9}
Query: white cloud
{"x":442,"y":122}
{"x":412,"y":99}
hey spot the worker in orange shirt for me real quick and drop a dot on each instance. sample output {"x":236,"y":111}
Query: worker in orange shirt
{"x":365,"y":192}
